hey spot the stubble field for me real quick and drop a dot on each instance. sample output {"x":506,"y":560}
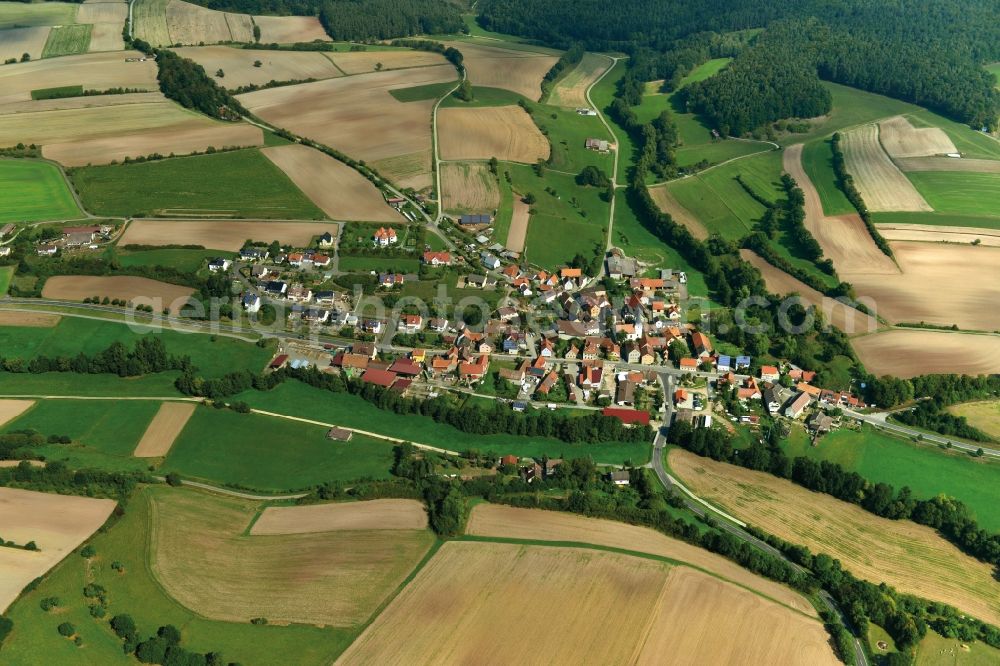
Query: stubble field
{"x":495,"y":67}
{"x":163,"y":429}
{"x":137,"y":289}
{"x":191,"y":24}
{"x":900,"y":139}
{"x":290,"y":29}
{"x":381,"y":514}
{"x":505,"y":132}
{"x":361,"y":62}
{"x":28,"y":319}
{"x":947,"y":164}
{"x":517,"y":235}
{"x":18,"y":41}
{"x":911,"y":352}
{"x":238,"y":64}
{"x":222,"y":234}
{"x":984,"y":415}
{"x":469,"y":188}
{"x":93,"y":71}
{"x":932,"y":233}
{"x":882,"y":185}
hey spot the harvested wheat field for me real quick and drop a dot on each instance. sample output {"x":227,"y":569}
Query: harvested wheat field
{"x":535,"y":524}
{"x":504,"y":132}
{"x":518,"y":232}
{"x":947,"y":164}
{"x":469,"y":188}
{"x":882,"y":185}
{"x":201,"y":557}
{"x":290,"y":29}
{"x":18,"y":41}
{"x":28,"y":319}
{"x":668,"y":203}
{"x":238,"y":64}
{"x":11,"y":409}
{"x":359,"y":62}
{"x":901,"y":139}
{"x":106,"y":37}
{"x":381,"y":514}
{"x":56,"y":523}
{"x":191,"y":24}
{"x":908,"y":353}
{"x":142,"y":291}
{"x":93,"y":71}
{"x":844,"y":239}
{"x":149,"y":21}
{"x":88,"y":102}
{"x":571,"y":91}
{"x":108,"y":19}
{"x":970,"y":276}
{"x":910,"y":557}
{"x":340,"y":191}
{"x":170,"y":419}
{"x":357,"y":115}
{"x":933,"y":233}
{"x":697,"y":609}
{"x":228,"y":235}
{"x":843,"y":317}
{"x":518,"y":71}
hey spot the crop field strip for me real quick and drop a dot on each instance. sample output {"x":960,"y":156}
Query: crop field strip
{"x":132,"y":289}
{"x":880,"y":182}
{"x":67,"y":40}
{"x":911,"y":352}
{"x":240,"y":70}
{"x":11,"y":409}
{"x":497,"y":67}
{"x":164,"y":429}
{"x":228,"y":235}
{"x":900,"y":139}
{"x":168,"y":22}
{"x":469,"y":187}
{"x":571,"y":90}
{"x":93,"y":71}
{"x":380,"y":514}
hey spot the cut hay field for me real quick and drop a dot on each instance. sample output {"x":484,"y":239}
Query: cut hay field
{"x":149,"y":22}
{"x":596,"y":607}
{"x":505,"y":132}
{"x":203,"y":560}
{"x":984,"y":415}
{"x":28,"y":319}
{"x":899,"y":138}
{"x":222,"y":234}
{"x":947,"y":164}
{"x":164,"y":429}
{"x":271,"y":454}
{"x":963,"y":193}
{"x":290,"y":29}
{"x":188,"y":261}
{"x":188,"y":23}
{"x":33,"y":191}
{"x":240,"y":183}
{"x":106,"y":37}
{"x":169,"y":22}
{"x":66,"y":40}
{"x":135,"y":290}
{"x":361,"y":62}
{"x":469,"y":188}
{"x":908,"y":353}
{"x":357,"y":116}
{"x":843,"y":317}
{"x":494,"y":67}
{"x":238,"y":64}
{"x":11,"y":409}
{"x":507,"y":522}
{"x":882,"y":185}
{"x":93,"y":71}
{"x":936,"y":650}
{"x":817,"y":162}
{"x":910,"y":557}
{"x":14,"y":42}
{"x":571,"y":90}
{"x":56,"y":523}
{"x":340,"y":191}
{"x":668,"y":203}
{"x":517,"y":234}
{"x":380,"y":514}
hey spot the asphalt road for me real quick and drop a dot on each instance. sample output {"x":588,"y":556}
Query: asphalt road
{"x":880,"y":422}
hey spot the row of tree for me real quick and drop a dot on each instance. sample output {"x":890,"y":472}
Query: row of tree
{"x":845,"y":182}
{"x":186,"y":82}
{"x":148,"y":355}
{"x":929,"y":415}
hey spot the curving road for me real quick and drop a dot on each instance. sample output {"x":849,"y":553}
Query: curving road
{"x":881,"y":422}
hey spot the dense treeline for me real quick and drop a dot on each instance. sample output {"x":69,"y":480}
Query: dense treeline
{"x":149,"y":355}
{"x":888,"y":392}
{"x":498,"y":419}
{"x":846,"y":184}
{"x":794,"y":218}
{"x":383,"y":19}
{"x":163,"y":647}
{"x":928,"y":414}
{"x":657,"y":139}
{"x":187,"y":83}
{"x":56,"y":477}
{"x":450,"y":53}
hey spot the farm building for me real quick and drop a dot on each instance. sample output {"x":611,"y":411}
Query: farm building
{"x":384,"y":237}
{"x":600,"y":145}
{"x":797,"y":406}
{"x":7,"y":229}
{"x":472,"y":220}
{"x":339,"y":434}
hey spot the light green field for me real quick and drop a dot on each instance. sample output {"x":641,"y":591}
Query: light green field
{"x":71,"y":383}
{"x":568,"y":132}
{"x":817,"y":160}
{"x":31,"y":14}
{"x":984,"y":415}
{"x":136,"y":592}
{"x":603,"y":94}
{"x":271,"y":454}
{"x":33,"y":191}
{"x":484,"y":96}
{"x":591,"y":65}
{"x":6,"y":273}
{"x":935,"y":650}
{"x":189,"y":261}
{"x":851,"y":107}
{"x":964,"y":193}
{"x":944,"y":219}
{"x":67,"y":40}
{"x":422,"y":93}
{"x":366,"y":264}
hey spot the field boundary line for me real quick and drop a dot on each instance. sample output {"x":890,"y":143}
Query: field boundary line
{"x":428,"y":556}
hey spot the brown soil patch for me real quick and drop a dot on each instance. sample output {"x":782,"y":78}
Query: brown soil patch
{"x":238,"y":64}
{"x":901,"y":139}
{"x":518,"y":231}
{"x":697,"y":609}
{"x":882,"y":185}
{"x":843,"y":317}
{"x":57,"y":523}
{"x":94,"y":71}
{"x":17,"y":41}
{"x":504,"y":132}
{"x":359,"y":62}
{"x":226,"y":235}
{"x":910,"y":557}
{"x":940,"y":234}
{"x":340,"y":191}
{"x":908,"y":353}
{"x":517,"y":71}
{"x":290,"y":29}
{"x":33,"y":319}
{"x":535,"y":524}
{"x":356,"y":114}
{"x":469,"y":188}
{"x":139,"y":290}
{"x":669,"y":205}
{"x":170,"y":419}
{"x":191,"y":24}
{"x":571,"y":91}
{"x":11,"y":409}
{"x":383,"y":514}
{"x":947,"y":164}
{"x":201,"y":557}
{"x":844,"y":239}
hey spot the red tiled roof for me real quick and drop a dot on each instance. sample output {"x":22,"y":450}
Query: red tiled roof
{"x":627,"y":416}
{"x":405,"y":366}
{"x":379,"y":377}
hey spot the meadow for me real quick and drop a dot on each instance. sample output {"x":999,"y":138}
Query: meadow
{"x":269,"y":453}
{"x":33,"y":191}
{"x":188,"y":261}
{"x":984,"y":415}
{"x":241,"y":183}
{"x":67,"y":40}
{"x":936,"y":650}
{"x":939,"y":219}
{"x":817,"y":160}
{"x":359,"y":264}
{"x":6,"y":273}
{"x":957,"y":192}
{"x":568,"y":132}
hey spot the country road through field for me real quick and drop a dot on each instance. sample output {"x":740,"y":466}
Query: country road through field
{"x":614,"y":169}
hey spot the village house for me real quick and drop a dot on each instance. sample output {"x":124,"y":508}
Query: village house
{"x":276,"y":288}
{"x":769,"y":373}
{"x":723,"y":363}
{"x":391,"y":280}
{"x":251,"y":302}
{"x":701,"y":344}
{"x":437,"y":258}
{"x":383,"y":378}
{"x":373,"y":326}
{"x":625,"y":394}
{"x":385,"y":237}
{"x":600,"y":145}
{"x":298,"y":293}
{"x":321,"y":260}
{"x":46,"y":250}
{"x":795,"y":408}
{"x":410,"y":323}
{"x":438,"y":325}
{"x":259,"y":272}
{"x":489,"y":261}
{"x":219,"y":264}
{"x":689,"y":364}
{"x":749,"y":391}
{"x":772,"y":399}
{"x":326,"y":240}
{"x":548,"y":383}
{"x":254,"y":254}
{"x":474,"y":371}
{"x":324,"y":297}
{"x":7,"y":229}
{"x":5,"y":251}
{"x":620,"y":266}
{"x":619,"y":477}
{"x":316,"y":316}
{"x":546,"y":348}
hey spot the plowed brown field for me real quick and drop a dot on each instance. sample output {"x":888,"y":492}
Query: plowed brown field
{"x":142,"y":291}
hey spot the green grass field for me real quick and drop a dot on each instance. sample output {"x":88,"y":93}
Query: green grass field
{"x":271,"y":454}
{"x":6,"y":273}
{"x":67,"y":40}
{"x":964,"y":193}
{"x":58,"y":92}
{"x":240,"y":183}
{"x":603,"y":94}
{"x":944,"y":219}
{"x":422,"y":93}
{"x":366,"y":264}
{"x":936,"y":650}
{"x":33,"y":191}
{"x":188,"y":261}
{"x":558,"y":230}
{"x":568,"y":132}
{"x":73,"y":335}
{"x":70,"y":383}
{"x":296,"y":399}
{"x":817,"y":160}
{"x":926,"y":469}
{"x":34,"y":639}
{"x":30,"y":14}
